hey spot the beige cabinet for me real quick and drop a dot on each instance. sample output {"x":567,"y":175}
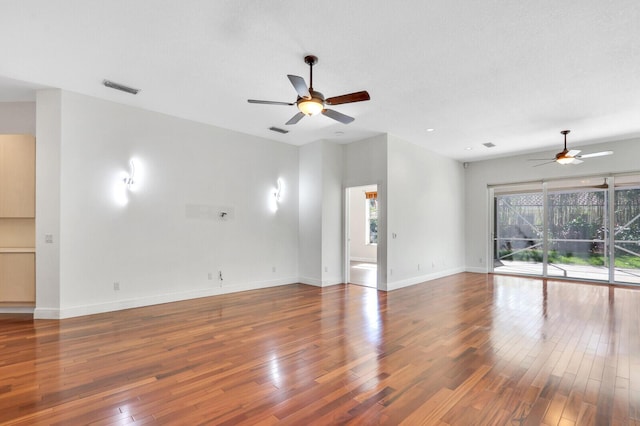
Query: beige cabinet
{"x":17,"y":219}
{"x":17,"y":277}
{"x":17,"y":176}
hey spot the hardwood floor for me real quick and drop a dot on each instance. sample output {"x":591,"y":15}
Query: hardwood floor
{"x":468,"y":349}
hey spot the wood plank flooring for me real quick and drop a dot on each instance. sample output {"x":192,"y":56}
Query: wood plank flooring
{"x":469,"y":349}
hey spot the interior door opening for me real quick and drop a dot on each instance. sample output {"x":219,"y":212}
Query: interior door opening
{"x":361,"y":254}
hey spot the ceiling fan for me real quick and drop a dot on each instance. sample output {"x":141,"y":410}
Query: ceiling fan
{"x":570,"y":157}
{"x":311,"y":102}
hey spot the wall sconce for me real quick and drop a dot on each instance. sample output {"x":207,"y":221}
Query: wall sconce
{"x":128,"y":180}
{"x":276,"y":196}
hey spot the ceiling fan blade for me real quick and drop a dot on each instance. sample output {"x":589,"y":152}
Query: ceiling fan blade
{"x":541,"y":159}
{"x":595,"y":154}
{"x":351,"y":97}
{"x":255,"y":101}
{"x":572,"y":153}
{"x":295,"y":118}
{"x":300,"y":86}
{"x":575,"y":161}
{"x":542,"y":164}
{"x":338,"y":116}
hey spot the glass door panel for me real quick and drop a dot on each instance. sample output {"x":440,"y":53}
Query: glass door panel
{"x":518,"y":233}
{"x":577,"y":240}
{"x":626,"y":235}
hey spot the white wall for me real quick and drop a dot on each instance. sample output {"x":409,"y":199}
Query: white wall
{"x":426,"y":215}
{"x":626,"y":158}
{"x":332,"y":214}
{"x":48,"y":145}
{"x":320,"y":231}
{"x":18,"y":118}
{"x":149,"y":246}
{"x":310,"y":208}
{"x":359,"y":249}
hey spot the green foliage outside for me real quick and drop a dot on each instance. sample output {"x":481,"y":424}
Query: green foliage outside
{"x":586,"y":259}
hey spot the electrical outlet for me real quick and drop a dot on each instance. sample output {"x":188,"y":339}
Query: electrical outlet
{"x":210,"y":276}
{"x":480,"y":260}
{"x":418,"y":266}
{"x":116,"y":286}
{"x":390,"y":271}
{"x":326,"y":269}
{"x":273,"y":269}
{"x":48,"y":238}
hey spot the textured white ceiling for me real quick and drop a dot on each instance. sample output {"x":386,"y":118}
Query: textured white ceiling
{"x":513,"y":73}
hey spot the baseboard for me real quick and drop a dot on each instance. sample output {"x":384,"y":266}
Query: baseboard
{"x":46,"y":313}
{"x":118,"y":305}
{"x":332,"y":281}
{"x":394,"y":285}
{"x":477,"y":270}
{"x":310,"y":281}
{"x":320,"y":283}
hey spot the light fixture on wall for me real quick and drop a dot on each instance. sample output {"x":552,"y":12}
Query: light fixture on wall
{"x":276,"y":195}
{"x":128,"y":180}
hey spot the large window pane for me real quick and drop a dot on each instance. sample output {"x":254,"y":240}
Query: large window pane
{"x":627,"y":235}
{"x":519,"y":232}
{"x":577,"y":234}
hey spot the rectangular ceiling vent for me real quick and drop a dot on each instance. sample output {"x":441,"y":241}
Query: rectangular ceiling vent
{"x":121,"y":87}
{"x":279,"y":130}
{"x":489,"y":145}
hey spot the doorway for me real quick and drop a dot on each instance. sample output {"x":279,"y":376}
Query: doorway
{"x":362,"y":235}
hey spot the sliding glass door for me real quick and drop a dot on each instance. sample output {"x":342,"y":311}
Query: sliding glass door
{"x":626,"y":234}
{"x":577,"y":232}
{"x":519,"y":229}
{"x":562,"y":229}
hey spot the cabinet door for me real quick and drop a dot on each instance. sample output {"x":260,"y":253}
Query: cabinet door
{"x":17,"y":277}
{"x":17,"y":176}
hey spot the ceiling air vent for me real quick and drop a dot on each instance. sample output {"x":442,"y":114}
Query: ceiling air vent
{"x":489,"y":145}
{"x":279,"y":130}
{"x":121,"y":87}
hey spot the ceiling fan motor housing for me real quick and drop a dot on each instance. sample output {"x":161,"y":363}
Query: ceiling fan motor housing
{"x":312,"y":106}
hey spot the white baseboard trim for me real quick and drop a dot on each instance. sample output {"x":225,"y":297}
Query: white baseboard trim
{"x":320,"y":283}
{"x":46,"y":313}
{"x":394,"y":285}
{"x":118,"y":305}
{"x":310,"y":281}
{"x":332,"y":281}
{"x":364,"y":259}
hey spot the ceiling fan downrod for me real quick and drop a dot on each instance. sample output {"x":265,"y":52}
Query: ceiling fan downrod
{"x":310,"y":60}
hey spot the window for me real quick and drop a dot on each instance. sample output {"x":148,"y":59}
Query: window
{"x":371,"y":208}
{"x":582,"y":228}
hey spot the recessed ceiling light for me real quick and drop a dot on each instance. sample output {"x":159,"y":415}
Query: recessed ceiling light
{"x":468,"y":148}
{"x":430,"y":130}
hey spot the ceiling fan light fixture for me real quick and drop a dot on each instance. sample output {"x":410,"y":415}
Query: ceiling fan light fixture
{"x":564,"y":160}
{"x":311,"y":106}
